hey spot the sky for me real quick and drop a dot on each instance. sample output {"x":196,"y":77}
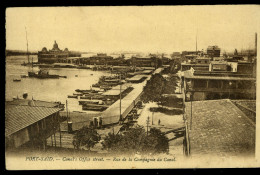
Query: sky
{"x":142,"y":29}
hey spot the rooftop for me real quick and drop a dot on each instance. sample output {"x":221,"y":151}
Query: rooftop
{"x":218,"y":62}
{"x":220,"y":129}
{"x":189,"y":75}
{"x":18,"y":117}
{"x":24,"y":102}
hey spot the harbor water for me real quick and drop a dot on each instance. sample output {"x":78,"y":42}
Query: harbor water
{"x":48,"y":89}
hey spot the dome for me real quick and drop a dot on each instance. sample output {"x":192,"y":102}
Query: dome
{"x":55,"y":46}
{"x":44,"y":49}
{"x":66,"y":49}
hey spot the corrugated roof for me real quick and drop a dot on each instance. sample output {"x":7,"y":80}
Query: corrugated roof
{"x":19,"y":117}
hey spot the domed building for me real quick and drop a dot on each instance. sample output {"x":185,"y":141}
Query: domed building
{"x":55,"y":54}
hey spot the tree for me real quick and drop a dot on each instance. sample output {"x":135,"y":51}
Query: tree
{"x":170,"y":85}
{"x":154,"y":88}
{"x":86,"y":137}
{"x":136,"y":140}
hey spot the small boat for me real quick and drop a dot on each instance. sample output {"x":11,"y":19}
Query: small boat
{"x":96,"y":85}
{"x":85,"y":97}
{"x":24,"y":76}
{"x":72,"y":96}
{"x":94,"y":107}
{"x":91,"y":74}
{"x":81,"y":102}
{"x":78,"y":93}
{"x":16,"y":80}
{"x":106,"y":87}
{"x":76,"y":75}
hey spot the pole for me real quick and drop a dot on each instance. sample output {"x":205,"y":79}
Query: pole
{"x":67,"y":112}
{"x":120,"y":118}
{"x":190,"y":111}
{"x":59,"y":130}
{"x":152,"y":118}
{"x":147,"y":122}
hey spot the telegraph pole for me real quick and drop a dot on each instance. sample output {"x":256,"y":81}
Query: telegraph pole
{"x":67,"y":112}
{"x":120,"y":118}
{"x":152,"y":118}
{"x":190,"y":110}
{"x":148,"y":122}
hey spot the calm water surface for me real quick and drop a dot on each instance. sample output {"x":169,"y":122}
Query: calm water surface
{"x":48,"y":89}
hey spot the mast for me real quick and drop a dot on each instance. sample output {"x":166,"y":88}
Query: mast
{"x":27,"y":45}
{"x":196,"y":40}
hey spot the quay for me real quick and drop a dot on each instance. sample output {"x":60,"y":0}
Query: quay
{"x":112,"y":114}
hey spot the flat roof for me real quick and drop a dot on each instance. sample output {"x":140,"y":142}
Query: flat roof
{"x":190,"y":76}
{"x":19,"y":117}
{"x":219,"y":128}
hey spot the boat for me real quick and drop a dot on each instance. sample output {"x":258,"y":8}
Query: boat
{"x":42,"y":74}
{"x":96,"y":85}
{"x":94,"y":107}
{"x":16,"y":80}
{"x":105,"y":87}
{"x":24,"y":76}
{"x":72,"y":96}
{"x":81,"y":102}
{"x":78,"y":93}
{"x":85,"y":97}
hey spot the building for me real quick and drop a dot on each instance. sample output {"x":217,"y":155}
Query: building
{"x":145,"y":61}
{"x":55,"y":54}
{"x":218,"y":129}
{"x":99,"y":59}
{"x":202,"y":60}
{"x":218,"y":66}
{"x":29,"y":126}
{"x":184,"y":53}
{"x":207,"y":86}
{"x":213,"y":51}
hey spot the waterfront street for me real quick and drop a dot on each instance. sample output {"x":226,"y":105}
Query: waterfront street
{"x":168,"y":124}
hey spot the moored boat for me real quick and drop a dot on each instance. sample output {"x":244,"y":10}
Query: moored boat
{"x":72,"y":96}
{"x":16,"y":80}
{"x":43,"y":74}
{"x":94,"y":107}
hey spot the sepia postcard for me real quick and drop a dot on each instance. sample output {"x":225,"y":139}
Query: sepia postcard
{"x":132,"y":87}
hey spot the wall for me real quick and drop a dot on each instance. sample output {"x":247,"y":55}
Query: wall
{"x":20,"y":137}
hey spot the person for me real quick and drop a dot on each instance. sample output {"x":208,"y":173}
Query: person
{"x":159,"y":122}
